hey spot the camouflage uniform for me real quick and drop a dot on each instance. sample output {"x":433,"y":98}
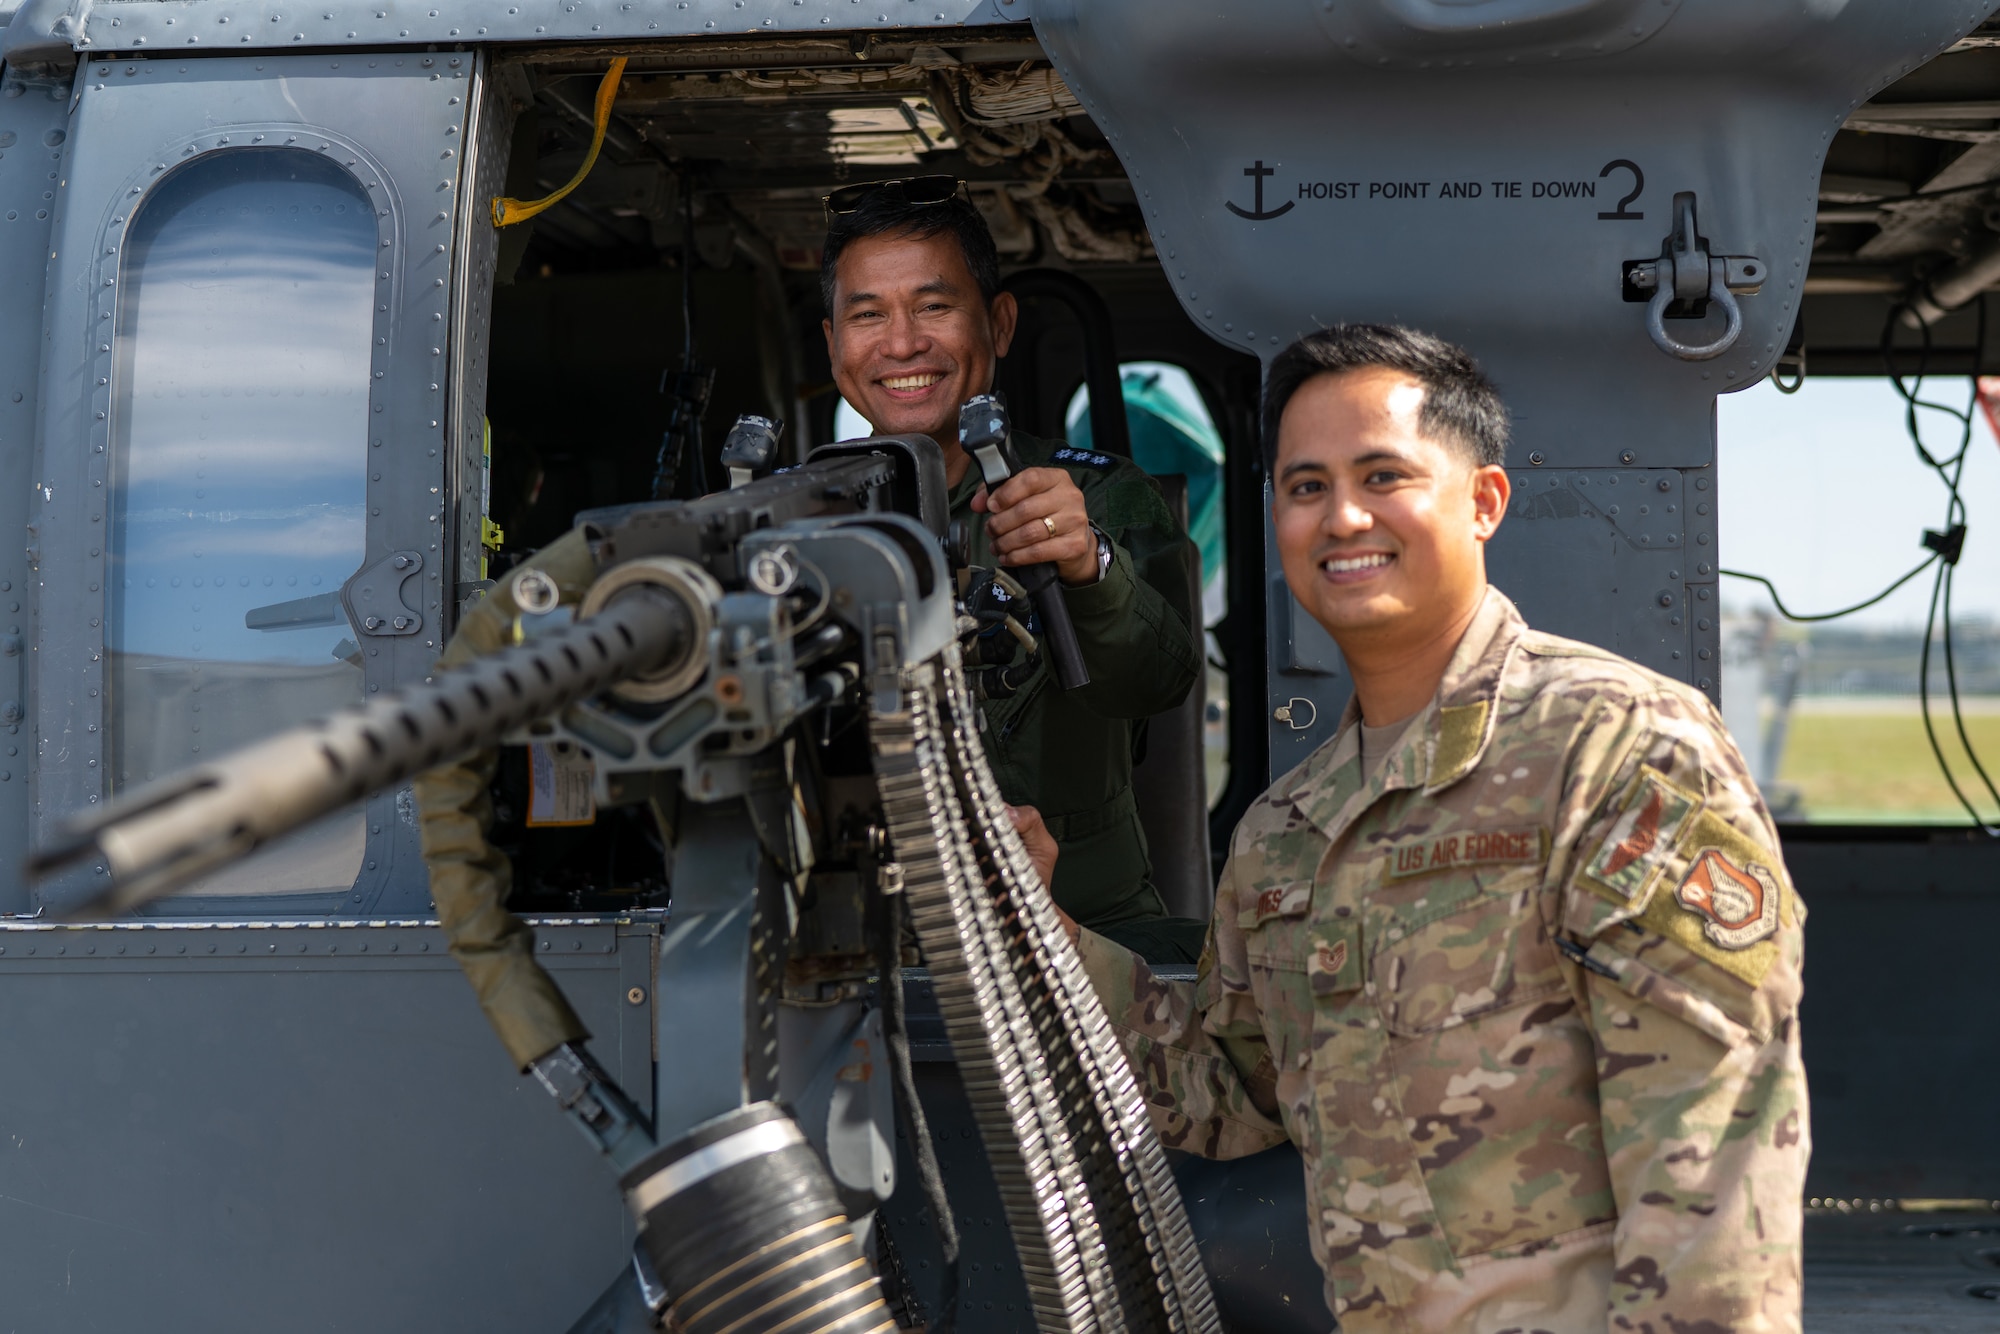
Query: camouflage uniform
{"x":1527,"y":1001}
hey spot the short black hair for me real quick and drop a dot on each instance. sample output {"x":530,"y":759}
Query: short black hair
{"x":1461,"y":406}
{"x":886,"y":211}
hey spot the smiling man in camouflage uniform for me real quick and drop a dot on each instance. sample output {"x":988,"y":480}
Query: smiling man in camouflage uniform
{"x":1513,"y":958}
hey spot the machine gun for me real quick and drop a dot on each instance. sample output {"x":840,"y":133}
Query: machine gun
{"x":776,"y":670}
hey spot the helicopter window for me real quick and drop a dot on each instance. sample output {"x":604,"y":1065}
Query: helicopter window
{"x":848,"y":423}
{"x":240,"y":424}
{"x":1172,"y":432}
{"x":1828,"y":500}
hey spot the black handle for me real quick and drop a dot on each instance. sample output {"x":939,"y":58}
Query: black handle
{"x":984,"y":433}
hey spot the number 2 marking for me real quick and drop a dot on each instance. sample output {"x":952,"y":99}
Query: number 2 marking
{"x":1638,"y":188}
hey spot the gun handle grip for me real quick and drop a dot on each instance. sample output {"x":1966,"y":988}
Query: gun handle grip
{"x":1058,"y":635}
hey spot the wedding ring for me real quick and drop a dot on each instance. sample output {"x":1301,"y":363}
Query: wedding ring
{"x":1050,"y":523}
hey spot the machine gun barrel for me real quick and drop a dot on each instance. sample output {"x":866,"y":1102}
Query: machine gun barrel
{"x":163,"y":835}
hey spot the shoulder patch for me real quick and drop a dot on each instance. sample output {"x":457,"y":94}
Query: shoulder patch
{"x":1730,"y":902}
{"x":1084,"y":458}
{"x":1738,"y":905}
{"x":1649,"y":823}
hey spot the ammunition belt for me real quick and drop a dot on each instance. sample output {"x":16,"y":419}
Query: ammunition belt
{"x":1096,"y":1218}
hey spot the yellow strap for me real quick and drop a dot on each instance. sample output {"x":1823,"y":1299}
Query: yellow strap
{"x":507,"y":212}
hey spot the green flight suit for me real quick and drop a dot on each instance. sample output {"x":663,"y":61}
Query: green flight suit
{"x":1069,"y":753}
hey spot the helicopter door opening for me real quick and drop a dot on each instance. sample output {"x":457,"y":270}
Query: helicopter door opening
{"x":687,"y":263}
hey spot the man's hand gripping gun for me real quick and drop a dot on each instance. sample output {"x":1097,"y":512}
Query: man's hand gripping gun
{"x":984,"y":433}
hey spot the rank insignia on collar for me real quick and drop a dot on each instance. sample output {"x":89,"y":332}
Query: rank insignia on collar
{"x":1738,"y":905}
{"x":1642,"y":837}
{"x":1084,"y":458}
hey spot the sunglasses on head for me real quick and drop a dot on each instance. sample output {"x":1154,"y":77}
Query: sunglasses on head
{"x":907,"y":190}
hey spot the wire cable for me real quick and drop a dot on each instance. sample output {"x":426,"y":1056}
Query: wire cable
{"x":1947,"y":544}
{"x":1791,"y":615}
{"x":1950,"y":573}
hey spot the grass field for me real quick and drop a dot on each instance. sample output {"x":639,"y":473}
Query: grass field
{"x":1860,"y":758}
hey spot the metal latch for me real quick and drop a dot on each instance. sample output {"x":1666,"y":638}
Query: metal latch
{"x":1297,"y":713}
{"x":374,"y":596}
{"x":1684,"y":279}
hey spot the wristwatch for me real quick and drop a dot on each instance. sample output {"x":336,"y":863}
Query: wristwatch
{"x":1103,"y":553}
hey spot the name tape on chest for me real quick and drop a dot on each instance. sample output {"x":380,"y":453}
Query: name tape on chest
{"x":1084,"y":458}
{"x":1465,"y":848}
{"x":1284,"y":900}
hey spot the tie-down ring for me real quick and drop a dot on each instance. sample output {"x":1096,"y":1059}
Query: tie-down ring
{"x":1688,"y":272}
{"x":1718,"y":292}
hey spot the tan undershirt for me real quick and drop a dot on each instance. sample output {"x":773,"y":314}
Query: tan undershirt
{"x":1379,"y":743}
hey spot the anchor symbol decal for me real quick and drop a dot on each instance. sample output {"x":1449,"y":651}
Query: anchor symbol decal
{"x":1259,"y":213}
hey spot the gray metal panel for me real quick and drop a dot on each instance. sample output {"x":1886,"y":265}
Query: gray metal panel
{"x":234,"y":25}
{"x":310,"y":1128}
{"x":1897,"y":1047}
{"x":1624,"y":558}
{"x":1734,"y":102}
{"x":33,"y":126}
{"x":1420,"y":164}
{"x":494,"y":105}
{"x":1308,"y":684}
{"x":395,"y":121}
{"x":1608,"y":555}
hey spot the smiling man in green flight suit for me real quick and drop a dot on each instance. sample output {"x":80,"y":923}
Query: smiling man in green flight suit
{"x":915,"y":323}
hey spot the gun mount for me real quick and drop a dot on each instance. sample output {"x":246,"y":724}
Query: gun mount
{"x":775,"y":669}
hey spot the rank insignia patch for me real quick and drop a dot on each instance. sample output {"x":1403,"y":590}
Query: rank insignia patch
{"x":1335,"y":962}
{"x":1642,"y":837}
{"x":1738,"y":906}
{"x":1084,"y":457}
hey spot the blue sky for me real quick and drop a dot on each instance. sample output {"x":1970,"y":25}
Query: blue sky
{"x":1822,"y":493}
